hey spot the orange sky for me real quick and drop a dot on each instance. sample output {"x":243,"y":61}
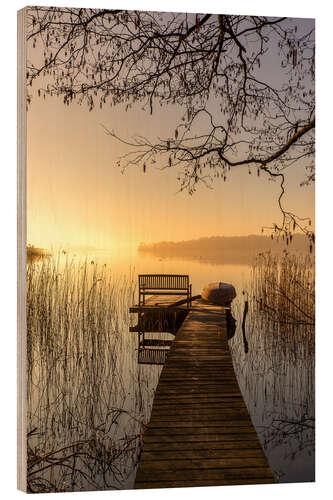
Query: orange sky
{"x":77,"y":196}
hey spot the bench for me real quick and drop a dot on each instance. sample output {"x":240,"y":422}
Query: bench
{"x":164,"y":284}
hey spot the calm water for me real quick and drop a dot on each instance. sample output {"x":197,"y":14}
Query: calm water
{"x":124,"y":262}
{"x":279,"y":392}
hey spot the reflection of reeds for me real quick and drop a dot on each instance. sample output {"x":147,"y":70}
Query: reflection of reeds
{"x":283,"y":292}
{"x":84,"y":427}
{"x":276,"y":375}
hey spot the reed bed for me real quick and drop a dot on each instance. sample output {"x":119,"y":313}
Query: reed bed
{"x":87,"y":398}
{"x":276,"y":374}
{"x":283,"y":288}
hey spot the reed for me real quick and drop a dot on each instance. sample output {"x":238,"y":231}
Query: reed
{"x":280,"y":354}
{"x":283,"y":294}
{"x":87,"y":398}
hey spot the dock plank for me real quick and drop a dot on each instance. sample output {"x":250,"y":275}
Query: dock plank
{"x":200,"y":432}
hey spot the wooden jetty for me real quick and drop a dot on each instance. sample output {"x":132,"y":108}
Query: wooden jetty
{"x":200,"y":432}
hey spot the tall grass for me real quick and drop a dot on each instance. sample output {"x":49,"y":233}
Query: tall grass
{"x":284,"y":289}
{"x":87,"y":398}
{"x":276,"y":375}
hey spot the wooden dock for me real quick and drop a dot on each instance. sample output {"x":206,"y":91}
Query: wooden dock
{"x":200,"y":432}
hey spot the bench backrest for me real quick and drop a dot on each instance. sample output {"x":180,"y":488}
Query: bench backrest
{"x":164,"y":281}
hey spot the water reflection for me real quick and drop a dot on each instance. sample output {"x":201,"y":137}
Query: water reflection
{"x":231,"y":325}
{"x":35,"y":254}
{"x":89,"y":399}
{"x":276,"y":375}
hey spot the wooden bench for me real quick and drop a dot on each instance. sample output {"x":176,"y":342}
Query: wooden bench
{"x":164,"y":284}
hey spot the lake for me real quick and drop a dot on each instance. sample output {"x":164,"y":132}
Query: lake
{"x":96,"y":394}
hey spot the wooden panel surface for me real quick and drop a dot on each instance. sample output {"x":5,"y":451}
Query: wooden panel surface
{"x":200,"y":432}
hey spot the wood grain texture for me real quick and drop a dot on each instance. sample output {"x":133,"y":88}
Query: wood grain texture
{"x":200,"y":432}
{"x":21,"y":251}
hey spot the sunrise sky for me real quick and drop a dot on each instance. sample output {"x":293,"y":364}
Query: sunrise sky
{"x":77,"y":196}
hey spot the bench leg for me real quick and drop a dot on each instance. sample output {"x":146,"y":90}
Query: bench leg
{"x":189,"y":295}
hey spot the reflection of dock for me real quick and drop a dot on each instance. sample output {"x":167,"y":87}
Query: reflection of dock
{"x":159,"y":315}
{"x":200,"y":432}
